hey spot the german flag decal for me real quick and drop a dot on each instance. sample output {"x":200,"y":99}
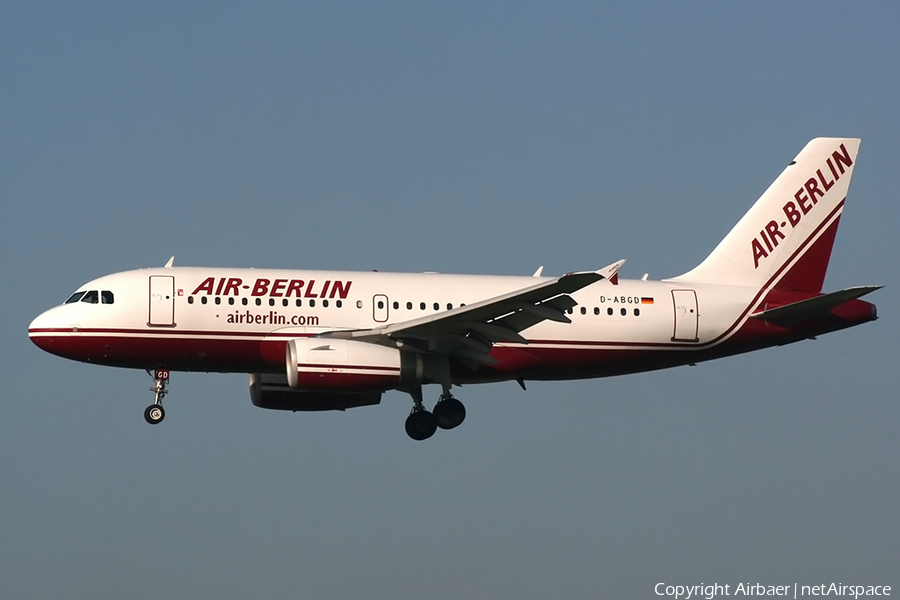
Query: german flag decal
{"x":646,"y":300}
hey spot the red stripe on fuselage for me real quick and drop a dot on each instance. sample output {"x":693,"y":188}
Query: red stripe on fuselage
{"x":543,"y":359}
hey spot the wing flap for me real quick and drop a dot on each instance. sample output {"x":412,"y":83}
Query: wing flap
{"x":532,"y":314}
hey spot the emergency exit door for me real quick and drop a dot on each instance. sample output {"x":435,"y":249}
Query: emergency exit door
{"x":380,"y":308}
{"x":686,"y":316}
{"x":162,"y":301}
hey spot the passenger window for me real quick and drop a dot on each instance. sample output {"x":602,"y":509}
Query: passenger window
{"x":596,"y":311}
{"x":396,"y":305}
{"x":271,"y":301}
{"x":324,"y":303}
{"x":231,"y":301}
{"x":421,"y":306}
{"x":409,"y":306}
{"x":190,"y":299}
{"x":338,"y":303}
{"x":437,"y":306}
{"x":583,"y":310}
{"x":91,"y":297}
{"x":284,"y":302}
{"x":244,"y":301}
{"x":312,"y":303}
{"x":380,"y":304}
{"x":609,"y":311}
{"x":449,"y":306}
{"x":218,"y":300}
{"x":259,"y":301}
{"x":74,"y":297}
{"x":299,"y":302}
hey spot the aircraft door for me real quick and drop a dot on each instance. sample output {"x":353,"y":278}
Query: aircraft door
{"x":686,"y":316}
{"x":162,"y":301}
{"x":380,"y":309}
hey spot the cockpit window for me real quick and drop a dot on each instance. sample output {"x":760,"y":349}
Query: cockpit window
{"x":91,"y":297}
{"x":74,"y":297}
{"x":106,"y":297}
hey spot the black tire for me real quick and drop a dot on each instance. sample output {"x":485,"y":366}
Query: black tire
{"x":421,"y":425}
{"x":449,"y":413}
{"x":154,"y":414}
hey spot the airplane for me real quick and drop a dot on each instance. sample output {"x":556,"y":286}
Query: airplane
{"x":333,"y":340}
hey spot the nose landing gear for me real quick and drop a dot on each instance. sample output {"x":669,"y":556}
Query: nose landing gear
{"x":155,"y":412}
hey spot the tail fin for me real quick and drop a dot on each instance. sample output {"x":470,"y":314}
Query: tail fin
{"x":785,"y":239}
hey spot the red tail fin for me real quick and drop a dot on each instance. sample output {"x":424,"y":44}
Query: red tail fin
{"x":784,"y":241}
{"x":808,"y":273}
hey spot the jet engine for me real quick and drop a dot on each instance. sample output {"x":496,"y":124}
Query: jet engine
{"x":348,"y":366}
{"x":272,"y":392}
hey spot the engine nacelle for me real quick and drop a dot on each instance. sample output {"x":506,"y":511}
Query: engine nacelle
{"x":272,"y":392}
{"x":340,"y":365}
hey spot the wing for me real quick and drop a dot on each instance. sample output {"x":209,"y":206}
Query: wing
{"x":468,"y":332}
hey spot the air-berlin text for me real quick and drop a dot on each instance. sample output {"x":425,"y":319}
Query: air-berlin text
{"x":275,"y":288}
{"x":804,"y":200}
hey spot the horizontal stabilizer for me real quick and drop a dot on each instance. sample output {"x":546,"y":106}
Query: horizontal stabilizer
{"x":815,"y":307}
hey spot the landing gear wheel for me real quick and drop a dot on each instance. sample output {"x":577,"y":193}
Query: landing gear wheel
{"x":449,"y":413}
{"x":420,"y":425}
{"x":154,"y":414}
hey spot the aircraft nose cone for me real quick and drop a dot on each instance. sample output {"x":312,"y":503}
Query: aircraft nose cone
{"x":36,"y":323}
{"x":41,"y":331}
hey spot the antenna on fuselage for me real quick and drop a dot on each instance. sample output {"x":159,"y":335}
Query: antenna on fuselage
{"x":169,"y":264}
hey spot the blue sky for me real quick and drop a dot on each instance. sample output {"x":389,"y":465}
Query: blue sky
{"x":472,"y":137}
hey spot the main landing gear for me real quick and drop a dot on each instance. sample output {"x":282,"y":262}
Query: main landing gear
{"x":155,"y":412}
{"x":448,"y":413}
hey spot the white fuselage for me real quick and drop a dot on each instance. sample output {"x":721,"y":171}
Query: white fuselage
{"x":237,"y":320}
